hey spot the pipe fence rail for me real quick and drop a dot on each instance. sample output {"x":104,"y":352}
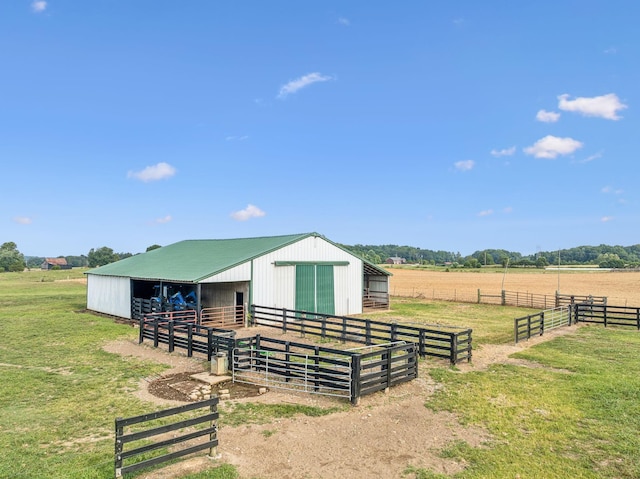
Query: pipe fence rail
{"x":536,"y":324}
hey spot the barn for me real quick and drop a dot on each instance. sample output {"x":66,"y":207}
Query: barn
{"x":305,"y":272}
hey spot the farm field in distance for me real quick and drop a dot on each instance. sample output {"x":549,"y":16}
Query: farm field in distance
{"x":620,"y":288}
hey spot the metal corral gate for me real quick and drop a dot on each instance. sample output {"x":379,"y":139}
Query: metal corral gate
{"x":331,"y":372}
{"x":537,"y":324}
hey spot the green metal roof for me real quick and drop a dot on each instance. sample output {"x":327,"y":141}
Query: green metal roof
{"x":194,"y":260}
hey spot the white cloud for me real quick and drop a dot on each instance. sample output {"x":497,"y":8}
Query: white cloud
{"x":39,"y":6}
{"x":237,"y":138}
{"x":485,"y":213}
{"x":23,"y":220}
{"x":611,"y":51}
{"x":465,"y":165}
{"x":608,"y":189}
{"x":294,"y":85}
{"x":551,"y":146}
{"x":547,"y":116}
{"x":249,"y":212}
{"x":160,"y":171}
{"x":165,"y":219}
{"x":591,"y":158}
{"x":458,"y":21}
{"x":503,"y":152}
{"x":604,"y":106}
{"x":344,"y":21}
{"x":605,"y":219}
{"x":508,"y":209}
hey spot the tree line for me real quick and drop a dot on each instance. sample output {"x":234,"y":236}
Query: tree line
{"x":604,"y":256}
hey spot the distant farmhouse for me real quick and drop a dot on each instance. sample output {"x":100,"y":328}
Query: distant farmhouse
{"x":58,"y":263}
{"x":396,"y":260}
{"x":306,"y":272}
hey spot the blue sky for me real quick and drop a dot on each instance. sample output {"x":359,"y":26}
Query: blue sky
{"x":443,"y":125}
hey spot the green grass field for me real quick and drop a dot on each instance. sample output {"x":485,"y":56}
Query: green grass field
{"x":576,"y":416}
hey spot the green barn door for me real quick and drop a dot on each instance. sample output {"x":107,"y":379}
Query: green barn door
{"x":324,"y":289}
{"x":306,"y":287}
{"x":314,"y":288}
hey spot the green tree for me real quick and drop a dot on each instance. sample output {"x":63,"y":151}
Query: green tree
{"x":101,"y":256}
{"x":152,"y":247}
{"x":610,"y":260}
{"x":10,"y":258}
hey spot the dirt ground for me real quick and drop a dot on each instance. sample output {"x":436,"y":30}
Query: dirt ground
{"x":620,"y":288}
{"x":380,"y":437}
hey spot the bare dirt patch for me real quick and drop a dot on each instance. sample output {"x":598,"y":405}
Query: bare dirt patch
{"x":381,"y":437}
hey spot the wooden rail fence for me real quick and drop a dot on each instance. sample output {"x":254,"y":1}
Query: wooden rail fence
{"x":189,"y":336}
{"x":447,"y":342}
{"x":139,"y":439}
{"x":608,"y":315}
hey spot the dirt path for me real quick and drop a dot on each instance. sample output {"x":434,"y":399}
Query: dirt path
{"x":381,"y":437}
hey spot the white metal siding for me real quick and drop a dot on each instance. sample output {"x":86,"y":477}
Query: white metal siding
{"x":238,"y":273}
{"x":109,"y":295}
{"x":275,"y":285}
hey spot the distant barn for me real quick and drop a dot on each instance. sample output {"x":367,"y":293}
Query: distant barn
{"x":50,"y":263}
{"x":304,"y":272}
{"x":396,"y":260}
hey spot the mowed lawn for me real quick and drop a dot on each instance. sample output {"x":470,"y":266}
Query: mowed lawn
{"x":577,"y":415}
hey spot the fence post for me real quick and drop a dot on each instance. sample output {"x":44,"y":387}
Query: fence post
{"x":287,"y":360}
{"x":189,"y":340}
{"x":528,"y":326}
{"x":422,"y":351}
{"x":155,"y":333}
{"x":118,"y":448}
{"x":604,"y":315}
{"x":284,"y":320}
{"x":394,"y":332}
{"x":252,"y":313}
{"x":389,"y":356}
{"x":141,"y":330}
{"x":316,"y":382}
{"x":557,"y":299}
{"x":478,"y":295}
{"x":638,"y":317}
{"x":541,"y":323}
{"x":515,"y":329}
{"x":503,"y":295}
{"x":454,"y":348}
{"x":209,"y":344}
{"x":171,"y":346}
{"x":213,"y":450}
{"x":356,"y":363}
{"x":344,"y":330}
{"x":368,"y":332}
